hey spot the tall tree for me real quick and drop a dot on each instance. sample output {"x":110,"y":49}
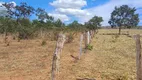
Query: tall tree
{"x":124,"y":16}
{"x":6,"y":19}
{"x":23,"y":11}
{"x":94,"y":23}
{"x":45,"y":21}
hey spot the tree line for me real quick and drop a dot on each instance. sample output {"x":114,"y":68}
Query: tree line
{"x":17,"y":20}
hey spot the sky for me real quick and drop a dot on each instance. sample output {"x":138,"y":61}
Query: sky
{"x":81,"y":10}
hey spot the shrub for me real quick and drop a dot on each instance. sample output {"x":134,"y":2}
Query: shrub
{"x":43,"y":43}
{"x":25,"y":34}
{"x":89,"y":47}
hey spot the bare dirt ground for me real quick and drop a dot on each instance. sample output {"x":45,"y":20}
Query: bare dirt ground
{"x":113,"y":58}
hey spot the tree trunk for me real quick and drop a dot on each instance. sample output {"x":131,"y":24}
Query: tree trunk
{"x":119,"y":30}
{"x":19,"y":38}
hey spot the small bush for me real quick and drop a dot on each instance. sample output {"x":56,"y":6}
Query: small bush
{"x":43,"y":43}
{"x":89,"y":47}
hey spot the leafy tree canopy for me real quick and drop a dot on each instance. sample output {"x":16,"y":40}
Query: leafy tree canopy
{"x":124,"y":16}
{"x":94,"y":23}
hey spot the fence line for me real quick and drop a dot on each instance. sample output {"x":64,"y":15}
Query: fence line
{"x":86,"y":36}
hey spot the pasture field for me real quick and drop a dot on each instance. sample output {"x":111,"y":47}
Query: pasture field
{"x":112,"y":58}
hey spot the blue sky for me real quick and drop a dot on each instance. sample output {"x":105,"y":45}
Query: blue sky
{"x":81,"y":10}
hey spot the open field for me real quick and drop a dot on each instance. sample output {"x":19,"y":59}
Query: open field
{"x":113,"y":58}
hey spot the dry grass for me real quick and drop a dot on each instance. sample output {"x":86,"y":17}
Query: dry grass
{"x":113,"y":58}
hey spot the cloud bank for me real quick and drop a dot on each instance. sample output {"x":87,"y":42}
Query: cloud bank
{"x":70,"y":8}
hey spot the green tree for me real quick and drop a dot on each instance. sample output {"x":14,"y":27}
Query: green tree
{"x":124,"y":16}
{"x":22,"y":13}
{"x":7,"y":24}
{"x":58,"y":23}
{"x":76,"y":26}
{"x":45,"y":20}
{"x":94,"y":23}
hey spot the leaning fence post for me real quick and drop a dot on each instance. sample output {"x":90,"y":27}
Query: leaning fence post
{"x":138,"y":57}
{"x":56,"y":56}
{"x":81,"y":39}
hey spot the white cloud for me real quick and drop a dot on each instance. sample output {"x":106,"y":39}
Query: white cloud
{"x":105,"y":10}
{"x":12,"y":2}
{"x":75,"y":4}
{"x":70,"y":7}
{"x":1,"y":3}
{"x":62,"y":17}
{"x":75,"y":12}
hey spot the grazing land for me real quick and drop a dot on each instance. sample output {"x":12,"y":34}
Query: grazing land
{"x":112,"y":58}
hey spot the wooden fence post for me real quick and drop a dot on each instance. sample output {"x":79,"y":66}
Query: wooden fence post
{"x":85,"y":39}
{"x":91,"y":33}
{"x":81,"y":39}
{"x":138,"y":57}
{"x":88,"y":37}
{"x":56,"y":56}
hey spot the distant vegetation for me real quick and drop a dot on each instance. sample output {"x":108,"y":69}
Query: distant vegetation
{"x":17,"y":20}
